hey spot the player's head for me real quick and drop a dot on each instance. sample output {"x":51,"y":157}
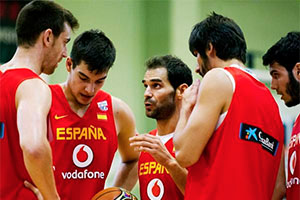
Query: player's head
{"x":165,"y":79}
{"x":92,"y":55}
{"x":48,"y":23}
{"x":38,"y":16}
{"x":283,"y":59}
{"x":221,"y":33}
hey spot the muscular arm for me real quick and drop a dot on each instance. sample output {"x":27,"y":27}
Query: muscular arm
{"x":127,"y":174}
{"x":195,"y":128}
{"x":159,"y":152}
{"x":33,"y":101}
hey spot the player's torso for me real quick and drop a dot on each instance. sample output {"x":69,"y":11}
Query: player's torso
{"x":155,"y":180}
{"x":293,"y":165}
{"x":83,"y":147}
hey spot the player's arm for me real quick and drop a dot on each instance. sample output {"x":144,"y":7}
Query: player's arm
{"x":33,"y":101}
{"x":195,"y":127}
{"x":280,"y":188}
{"x":154,"y":146}
{"x":125,"y":124}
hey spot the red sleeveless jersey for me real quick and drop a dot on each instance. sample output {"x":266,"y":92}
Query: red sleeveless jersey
{"x":155,"y":180}
{"x":293,"y":168}
{"x":241,"y":159}
{"x":12,"y":170}
{"x":83,"y":147}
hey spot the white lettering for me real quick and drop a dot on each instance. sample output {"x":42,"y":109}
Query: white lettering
{"x":292,"y":181}
{"x":266,"y":141}
{"x":83,"y":175}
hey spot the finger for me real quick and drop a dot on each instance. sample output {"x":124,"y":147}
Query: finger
{"x":148,"y":138}
{"x":141,"y":143}
{"x":31,"y":187}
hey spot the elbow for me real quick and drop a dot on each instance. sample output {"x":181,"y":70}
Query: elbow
{"x":33,"y":150}
{"x":184,"y":160}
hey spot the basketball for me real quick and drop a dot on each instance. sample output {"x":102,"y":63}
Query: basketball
{"x":114,"y":193}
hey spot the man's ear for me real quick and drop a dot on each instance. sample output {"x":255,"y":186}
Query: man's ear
{"x":48,"y":37}
{"x":69,"y":64}
{"x":180,"y":89}
{"x":296,"y":71}
{"x":211,"y":51}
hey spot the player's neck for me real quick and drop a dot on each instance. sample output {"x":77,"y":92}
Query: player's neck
{"x":226,"y":63}
{"x":167,"y":126}
{"x":25,"y":58}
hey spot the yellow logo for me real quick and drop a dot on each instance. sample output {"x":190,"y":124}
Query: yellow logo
{"x":102,"y":116}
{"x":59,"y":117}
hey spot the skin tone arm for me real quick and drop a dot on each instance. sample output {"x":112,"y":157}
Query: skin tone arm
{"x":154,"y":146}
{"x":280,"y":188}
{"x":126,"y":176}
{"x":32,"y":109}
{"x":195,"y":127}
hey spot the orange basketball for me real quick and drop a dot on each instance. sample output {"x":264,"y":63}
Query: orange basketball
{"x":114,"y":193}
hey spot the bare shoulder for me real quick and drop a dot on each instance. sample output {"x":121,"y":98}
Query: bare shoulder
{"x":217,"y":80}
{"x":34,"y":89}
{"x":119,"y":106}
{"x":123,"y":116}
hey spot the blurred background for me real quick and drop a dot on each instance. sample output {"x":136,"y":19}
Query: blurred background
{"x":141,"y":29}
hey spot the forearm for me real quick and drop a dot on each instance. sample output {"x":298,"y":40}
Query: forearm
{"x":178,"y":174}
{"x":127,"y":175}
{"x":280,"y":188}
{"x":179,"y":138}
{"x":38,"y":162}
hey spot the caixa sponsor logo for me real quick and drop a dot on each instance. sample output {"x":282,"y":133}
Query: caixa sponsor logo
{"x":83,"y":157}
{"x":255,"y":134}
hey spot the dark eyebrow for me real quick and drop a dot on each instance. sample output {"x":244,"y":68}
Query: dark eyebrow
{"x":82,"y":74}
{"x":153,"y":80}
{"x":100,"y":79}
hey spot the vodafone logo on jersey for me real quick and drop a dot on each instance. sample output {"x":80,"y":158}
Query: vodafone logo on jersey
{"x":155,"y":189}
{"x":292,"y":164}
{"x":82,"y":155}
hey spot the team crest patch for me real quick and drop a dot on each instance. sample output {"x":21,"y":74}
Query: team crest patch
{"x":102,"y":105}
{"x":255,"y":134}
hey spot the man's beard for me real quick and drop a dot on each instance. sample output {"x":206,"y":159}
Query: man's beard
{"x":293,"y":89}
{"x":164,"y":110}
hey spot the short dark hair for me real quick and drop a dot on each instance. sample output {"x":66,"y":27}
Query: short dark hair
{"x":286,"y":51}
{"x":37,"y":16}
{"x":178,"y":72}
{"x":223,"y":33}
{"x":95,"y":49}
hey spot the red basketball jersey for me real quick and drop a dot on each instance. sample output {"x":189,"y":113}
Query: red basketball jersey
{"x":241,"y":159}
{"x":12,"y":170}
{"x":293,"y":168}
{"x":83,"y":147}
{"x":155,"y":180}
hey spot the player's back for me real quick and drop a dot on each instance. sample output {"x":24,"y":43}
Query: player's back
{"x":242,"y":157}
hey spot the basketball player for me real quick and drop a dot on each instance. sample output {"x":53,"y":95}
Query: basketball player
{"x":231,"y":140}
{"x":160,"y":176}
{"x":87,"y":124}
{"x":43,"y":30}
{"x":284,"y":61}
